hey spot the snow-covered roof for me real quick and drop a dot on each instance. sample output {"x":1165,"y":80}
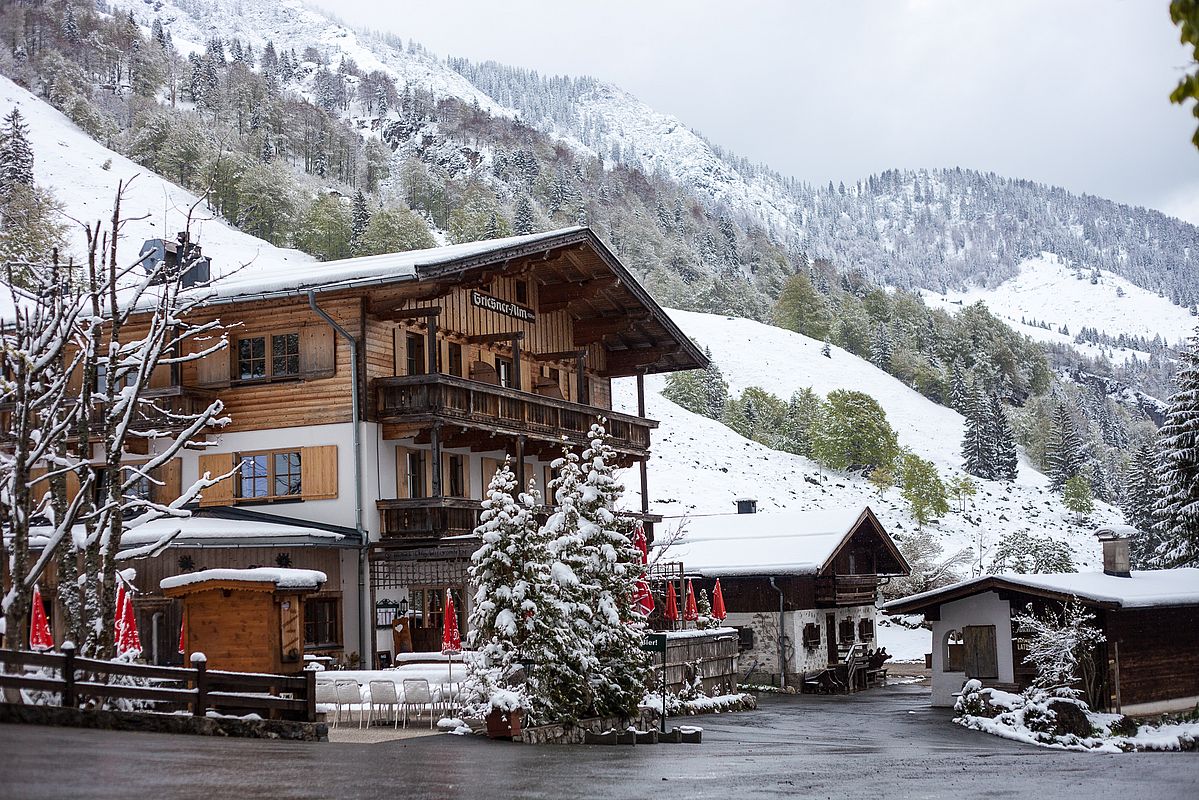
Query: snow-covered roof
{"x":203,"y":531}
{"x":271,"y":278}
{"x":767,"y":543}
{"x":1142,"y":589}
{"x":280,"y":577}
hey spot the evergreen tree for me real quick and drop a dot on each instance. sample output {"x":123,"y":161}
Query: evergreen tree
{"x":714,"y":388}
{"x":959,"y":395}
{"x":1064,"y":456}
{"x":522,"y":220}
{"x":1005,"y":462}
{"x":977,"y":446}
{"x":70,"y":27}
{"x":16,"y":154}
{"x":1177,"y":510}
{"x":360,"y":217}
{"x":880,"y":349}
{"x":800,"y":308}
{"x":516,"y":618}
{"x":1137,"y":502}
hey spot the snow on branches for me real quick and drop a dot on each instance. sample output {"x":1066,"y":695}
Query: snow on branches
{"x":1061,"y":645}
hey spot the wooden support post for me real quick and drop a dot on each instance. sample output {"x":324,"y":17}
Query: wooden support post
{"x":516,"y":363}
{"x":643,"y":465}
{"x":581,"y":377}
{"x":433,"y":367}
{"x":520,"y":464}
{"x":435,"y":455}
{"x":200,"y":704}
{"x":68,"y":675}
{"x":310,"y":695}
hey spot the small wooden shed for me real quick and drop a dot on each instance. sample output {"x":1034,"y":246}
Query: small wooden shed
{"x":245,"y":620}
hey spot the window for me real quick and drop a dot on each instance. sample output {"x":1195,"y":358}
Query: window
{"x":585,"y":397}
{"x":102,"y":378}
{"x":505,"y":369}
{"x":455,"y":353}
{"x":322,"y":618}
{"x":845,"y":634}
{"x":416,"y":473}
{"x":140,"y":490}
{"x":522,"y":292}
{"x":954,"y":657}
{"x":415,"y":352}
{"x":427,"y":605}
{"x":866,"y":629}
{"x":270,"y":475}
{"x":811,"y":635}
{"x":284,"y":361}
{"x":457,"y":470}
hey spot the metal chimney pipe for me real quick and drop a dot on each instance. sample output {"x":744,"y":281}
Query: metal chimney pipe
{"x":1116,"y":541}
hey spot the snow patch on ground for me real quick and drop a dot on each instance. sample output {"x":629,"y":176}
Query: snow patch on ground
{"x":1048,"y":290}
{"x":700,"y":466}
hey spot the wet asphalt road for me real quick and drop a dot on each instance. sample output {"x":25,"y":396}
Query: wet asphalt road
{"x":886,"y":743}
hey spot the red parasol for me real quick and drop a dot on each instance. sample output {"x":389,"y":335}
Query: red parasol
{"x":640,"y":543}
{"x":672,"y":605}
{"x":183,"y":636}
{"x":39,"y":628}
{"x":451,"y":642}
{"x":691,"y":612}
{"x":718,"y":602}
{"x":125,"y":625}
{"x":643,"y":600}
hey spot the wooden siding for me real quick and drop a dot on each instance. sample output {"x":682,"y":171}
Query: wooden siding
{"x":1159,"y":653}
{"x":286,"y":403}
{"x":150,"y":571}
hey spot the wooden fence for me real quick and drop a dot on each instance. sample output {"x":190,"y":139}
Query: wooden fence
{"x":198,"y":689}
{"x":715,"y":653}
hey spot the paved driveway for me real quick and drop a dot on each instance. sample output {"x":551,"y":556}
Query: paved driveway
{"x":886,"y":743}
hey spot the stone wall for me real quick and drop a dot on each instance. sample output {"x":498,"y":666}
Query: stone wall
{"x":163,"y":723}
{"x":575,"y":733}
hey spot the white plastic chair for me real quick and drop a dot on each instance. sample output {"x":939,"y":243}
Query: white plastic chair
{"x":349,"y":694}
{"x":418,"y":695}
{"x":326,"y":695}
{"x":383,"y":695}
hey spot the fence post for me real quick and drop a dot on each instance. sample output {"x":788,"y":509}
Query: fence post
{"x":68,"y":675}
{"x":310,"y":697}
{"x":200,"y":665}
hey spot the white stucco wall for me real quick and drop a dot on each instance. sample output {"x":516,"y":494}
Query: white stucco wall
{"x":981,"y":609}
{"x":800,"y":659}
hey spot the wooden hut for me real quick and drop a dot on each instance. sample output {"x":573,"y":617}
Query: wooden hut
{"x":245,"y":620}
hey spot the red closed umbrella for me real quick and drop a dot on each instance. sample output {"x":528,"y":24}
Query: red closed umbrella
{"x":39,"y":628}
{"x":183,"y":636}
{"x":125,"y":625}
{"x":639,"y":541}
{"x":451,"y":641}
{"x":643,"y":600}
{"x":718,"y":602}
{"x":691,"y":612}
{"x":672,"y":605}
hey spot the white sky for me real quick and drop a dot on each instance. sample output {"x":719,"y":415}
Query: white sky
{"x":1070,"y":92}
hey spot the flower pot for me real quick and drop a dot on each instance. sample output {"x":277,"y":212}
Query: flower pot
{"x":504,"y":726}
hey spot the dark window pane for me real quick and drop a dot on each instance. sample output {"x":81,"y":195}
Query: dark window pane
{"x":285,"y":355}
{"x":287,"y":474}
{"x":254,"y":476}
{"x":251,"y":358}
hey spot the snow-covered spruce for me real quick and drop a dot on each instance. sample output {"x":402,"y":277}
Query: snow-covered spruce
{"x":521,"y":658}
{"x":1177,"y":510}
{"x":597,"y":566}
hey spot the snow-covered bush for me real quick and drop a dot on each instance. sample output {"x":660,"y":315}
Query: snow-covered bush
{"x":1061,"y":645}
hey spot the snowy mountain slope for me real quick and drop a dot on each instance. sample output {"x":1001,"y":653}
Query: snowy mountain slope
{"x":700,"y":466}
{"x":71,"y":164}
{"x":1048,"y":290}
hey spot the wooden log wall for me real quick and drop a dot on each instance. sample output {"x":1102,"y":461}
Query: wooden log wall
{"x":1159,"y":653}
{"x":716,"y":654}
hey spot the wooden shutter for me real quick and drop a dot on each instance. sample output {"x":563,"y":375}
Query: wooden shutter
{"x":217,"y":464}
{"x":216,"y":368}
{"x":401,"y":471}
{"x":72,"y":485}
{"x":318,"y":472}
{"x":39,"y":484}
{"x":160,"y":378}
{"x":170,"y":486}
{"x":981,"y":656}
{"x":490,"y":467}
{"x":317,"y":352}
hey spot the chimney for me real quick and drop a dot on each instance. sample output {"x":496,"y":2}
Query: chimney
{"x":746,"y":505}
{"x":1116,"y":540}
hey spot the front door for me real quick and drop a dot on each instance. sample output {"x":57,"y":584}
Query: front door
{"x":830,"y":635}
{"x":979,"y":651}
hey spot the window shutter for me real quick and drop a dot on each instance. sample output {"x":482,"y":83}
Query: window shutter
{"x":215,"y":369}
{"x":217,"y":464}
{"x":160,"y":378}
{"x":72,"y":485}
{"x":490,"y":467}
{"x":318,"y":472}
{"x":38,"y":483}
{"x":317,"y":352}
{"x":170,"y":477}
{"x":401,"y":472}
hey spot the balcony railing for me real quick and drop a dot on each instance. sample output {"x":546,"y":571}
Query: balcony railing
{"x":435,"y":396}
{"x":424,"y":518}
{"x":846,"y":590}
{"x":170,"y":403}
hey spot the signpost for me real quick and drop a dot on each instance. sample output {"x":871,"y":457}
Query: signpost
{"x":656,"y":643}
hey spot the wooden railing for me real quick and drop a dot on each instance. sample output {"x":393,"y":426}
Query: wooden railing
{"x":846,"y":590}
{"x":435,"y":517}
{"x":437,"y":396}
{"x":198,"y":689}
{"x":170,"y":403}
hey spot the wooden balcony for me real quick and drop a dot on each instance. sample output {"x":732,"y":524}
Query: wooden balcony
{"x":411,"y":402}
{"x":846,"y":590}
{"x":170,"y":403}
{"x":411,"y":521}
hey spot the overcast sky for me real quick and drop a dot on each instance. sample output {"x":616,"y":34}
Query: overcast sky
{"x":1073,"y":93}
